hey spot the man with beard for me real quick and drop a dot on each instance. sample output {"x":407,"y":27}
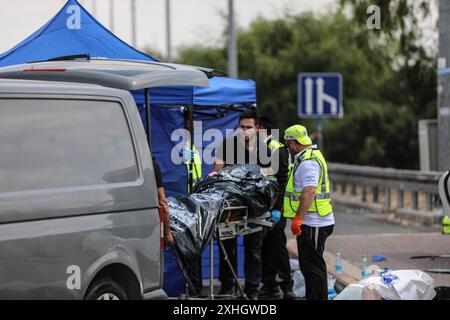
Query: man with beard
{"x":243,"y":148}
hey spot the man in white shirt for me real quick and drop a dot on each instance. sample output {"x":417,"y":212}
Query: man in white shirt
{"x":308,"y":203}
{"x":308,"y":175}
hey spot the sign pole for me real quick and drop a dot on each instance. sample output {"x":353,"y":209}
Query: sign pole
{"x":443,"y":87}
{"x":319,"y":134}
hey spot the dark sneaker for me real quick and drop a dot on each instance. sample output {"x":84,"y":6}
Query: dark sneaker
{"x":202,"y":294}
{"x":269,"y":293}
{"x":226,"y":291}
{"x":252,"y":297}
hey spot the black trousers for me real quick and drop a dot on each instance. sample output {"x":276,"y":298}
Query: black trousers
{"x":275,"y":258}
{"x":252,"y":262}
{"x":311,"y":245}
{"x":195,"y":274}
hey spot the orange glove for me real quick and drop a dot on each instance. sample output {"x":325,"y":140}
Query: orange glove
{"x":296,"y":226}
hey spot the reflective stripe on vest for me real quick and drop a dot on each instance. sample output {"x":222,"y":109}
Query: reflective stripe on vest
{"x":322,"y":199}
{"x":273,"y":146}
{"x":446,"y":225}
{"x":196,"y":169}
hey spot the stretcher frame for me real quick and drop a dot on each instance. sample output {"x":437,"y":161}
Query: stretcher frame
{"x":224,"y":231}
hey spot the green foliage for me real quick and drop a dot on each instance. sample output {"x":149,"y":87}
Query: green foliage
{"x":387,"y":86}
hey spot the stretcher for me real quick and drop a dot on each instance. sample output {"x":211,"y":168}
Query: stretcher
{"x":234,"y":222}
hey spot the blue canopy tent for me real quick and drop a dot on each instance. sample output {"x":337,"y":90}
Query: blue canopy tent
{"x":74,"y":31}
{"x":71,"y":31}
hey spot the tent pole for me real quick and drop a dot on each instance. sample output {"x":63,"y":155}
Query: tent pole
{"x":147,"y":118}
{"x":191,"y":147}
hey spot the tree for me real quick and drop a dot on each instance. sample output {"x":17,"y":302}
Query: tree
{"x":387,"y":87}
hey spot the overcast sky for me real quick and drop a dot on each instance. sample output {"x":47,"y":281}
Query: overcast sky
{"x":193,"y":21}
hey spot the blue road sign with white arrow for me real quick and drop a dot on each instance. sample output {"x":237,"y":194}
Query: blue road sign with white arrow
{"x":320,"y":95}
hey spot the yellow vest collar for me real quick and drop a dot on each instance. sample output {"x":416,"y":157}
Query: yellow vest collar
{"x":298,"y":155}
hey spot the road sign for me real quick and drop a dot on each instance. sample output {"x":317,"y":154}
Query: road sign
{"x":320,"y":95}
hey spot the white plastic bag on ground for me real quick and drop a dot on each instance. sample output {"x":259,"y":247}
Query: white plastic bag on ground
{"x":393,"y":285}
{"x":299,"y":285}
{"x":351,"y":292}
{"x":294,"y":264}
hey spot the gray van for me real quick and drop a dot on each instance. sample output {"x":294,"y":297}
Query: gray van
{"x":78,"y":204}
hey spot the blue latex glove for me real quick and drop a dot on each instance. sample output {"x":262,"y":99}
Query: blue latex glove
{"x":276,"y":216}
{"x":188,"y":154}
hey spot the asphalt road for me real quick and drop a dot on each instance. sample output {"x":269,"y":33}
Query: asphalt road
{"x":350,"y":222}
{"x":358,"y":234}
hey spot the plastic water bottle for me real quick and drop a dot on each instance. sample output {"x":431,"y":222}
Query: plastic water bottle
{"x":331,"y":290}
{"x":332,"y":294}
{"x":364,"y":272}
{"x":338,"y":264}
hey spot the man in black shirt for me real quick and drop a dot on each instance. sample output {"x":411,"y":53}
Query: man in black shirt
{"x":275,"y":257}
{"x":243,"y":148}
{"x":162,"y":201}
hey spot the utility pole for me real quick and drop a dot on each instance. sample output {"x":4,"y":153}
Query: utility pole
{"x":168,"y":31}
{"x":232,"y":42}
{"x":111,"y":15}
{"x":444,"y":86}
{"x":133,"y":23}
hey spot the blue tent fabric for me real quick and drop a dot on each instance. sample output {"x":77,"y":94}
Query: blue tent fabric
{"x":225,"y":92}
{"x":220,"y":119}
{"x":163,"y":122}
{"x":206,"y":260}
{"x":56,"y":39}
{"x":174,"y":95}
{"x":222,"y":91}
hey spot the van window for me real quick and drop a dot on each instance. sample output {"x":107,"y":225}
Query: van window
{"x":63,"y":143}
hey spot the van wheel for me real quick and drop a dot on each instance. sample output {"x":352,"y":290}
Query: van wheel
{"x":105,"y":289}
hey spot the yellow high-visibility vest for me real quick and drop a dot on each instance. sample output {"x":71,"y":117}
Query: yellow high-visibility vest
{"x":322,"y":200}
{"x":273,"y":146}
{"x":446,"y":225}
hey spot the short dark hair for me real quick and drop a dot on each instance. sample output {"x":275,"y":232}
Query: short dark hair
{"x":249,"y":114}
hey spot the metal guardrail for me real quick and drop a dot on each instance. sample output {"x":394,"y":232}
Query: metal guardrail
{"x":365,"y":180}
